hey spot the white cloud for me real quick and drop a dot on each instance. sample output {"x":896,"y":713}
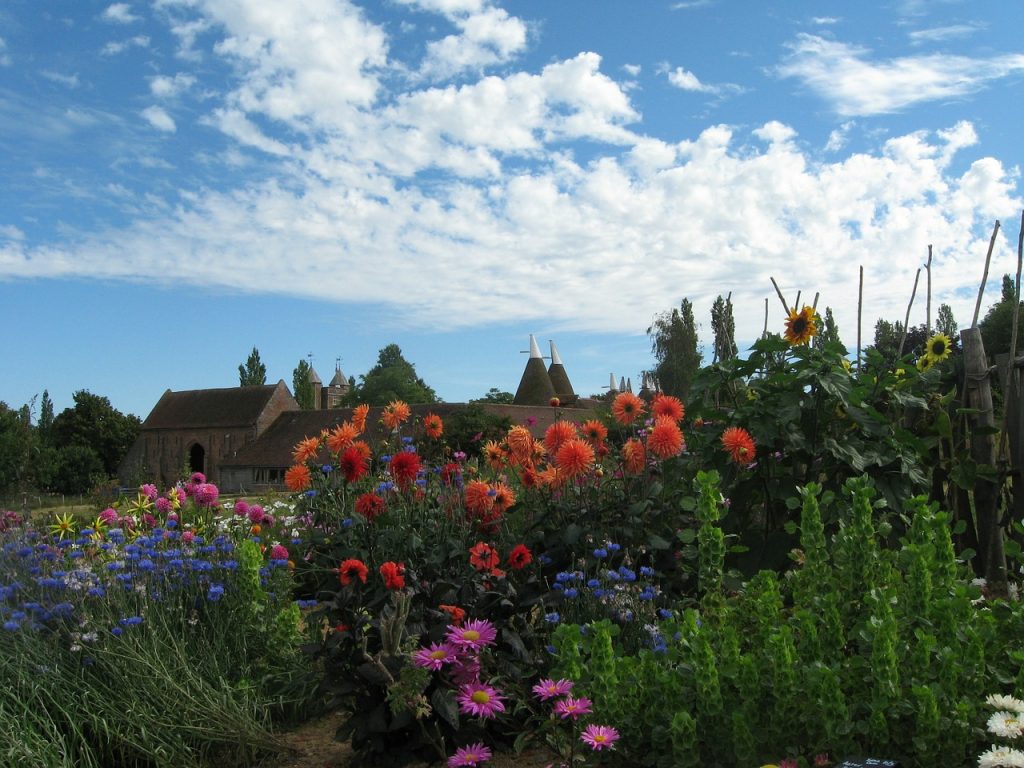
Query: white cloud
{"x":11,"y":232}
{"x":838,"y":137}
{"x":159,"y":119}
{"x":941,"y":34}
{"x":686,"y":5}
{"x":631,"y":69}
{"x":114,"y":48}
{"x":688,"y":81}
{"x":824,"y":21}
{"x":856,"y":86}
{"x":69,"y":81}
{"x":164,"y":87}
{"x":5,"y":58}
{"x":119,"y":13}
{"x":487,"y":36}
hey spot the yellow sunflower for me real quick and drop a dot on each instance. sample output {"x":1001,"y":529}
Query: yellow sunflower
{"x":64,"y":526}
{"x":925,"y":362}
{"x":801,"y":326}
{"x":938,"y":348}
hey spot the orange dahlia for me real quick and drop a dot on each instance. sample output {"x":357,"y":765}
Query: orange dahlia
{"x":494,"y":454}
{"x":307,"y":449}
{"x":359,"y":416}
{"x":801,"y":326}
{"x":520,"y":443}
{"x":297,"y":478}
{"x":627,"y":408}
{"x":363,"y":448}
{"x":479,"y":499}
{"x":738,"y":443}
{"x":665,"y":438}
{"x":433,"y":427}
{"x":634,"y":456}
{"x":575,"y":457}
{"x":667,"y":405}
{"x":395,"y":413}
{"x":405,"y":465}
{"x":595,"y":431}
{"x":342,"y":436}
{"x":557,"y":434}
{"x":504,"y":497}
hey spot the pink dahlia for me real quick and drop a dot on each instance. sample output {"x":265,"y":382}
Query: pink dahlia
{"x":480,"y":700}
{"x":552,"y":689}
{"x":473,"y":635}
{"x":241,"y":508}
{"x":599,"y":737}
{"x":574,"y":708}
{"x":434,"y":657}
{"x":109,"y":516}
{"x":206,"y":494}
{"x":471,"y":754}
{"x":278,"y":552}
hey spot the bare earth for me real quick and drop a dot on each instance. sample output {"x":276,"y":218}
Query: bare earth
{"x":314,"y":747}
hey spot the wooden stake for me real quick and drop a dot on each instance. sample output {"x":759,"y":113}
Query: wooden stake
{"x":785,"y":306}
{"x":906,"y":320}
{"x":860,"y":309}
{"x":1016,"y":293}
{"x":796,"y":305}
{"x":765,"y":331}
{"x":984,"y":277}
{"x":928,"y":310}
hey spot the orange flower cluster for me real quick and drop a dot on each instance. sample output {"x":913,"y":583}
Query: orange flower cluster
{"x":433,"y":427}
{"x":665,"y":438}
{"x":627,"y":408}
{"x":298,"y":478}
{"x":667,"y":405}
{"x":395,"y":414}
{"x":738,"y":443}
{"x":307,"y":449}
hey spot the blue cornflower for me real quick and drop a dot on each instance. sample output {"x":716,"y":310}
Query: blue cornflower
{"x":600,"y":552}
{"x":571,"y":592}
{"x":229,"y":565}
{"x":327,"y":469}
{"x":307,"y":603}
{"x":647,"y":594}
{"x":117,"y":631}
{"x":124,"y":578}
{"x":346,"y":523}
{"x":612,"y":575}
{"x":558,"y":586}
{"x":552,"y":618}
{"x":385,"y":458}
{"x":594,"y":583}
{"x":215,"y":592}
{"x":407,"y":440}
{"x":147,"y":565}
{"x":563,"y":576}
{"x":76,"y":553}
{"x":96,"y":592}
{"x":172,"y":524}
{"x":600,"y":592}
{"x":545,"y":560}
{"x":12,"y":626}
{"x":551,"y":649}
{"x":311,"y":493}
{"x":296,"y":541}
{"x":646,"y":570}
{"x":658,"y":644}
{"x":613,"y":547}
{"x":115,"y":566}
{"x":626,"y":574}
{"x":130,"y":621}
{"x":18,"y":615}
{"x":665,"y":613}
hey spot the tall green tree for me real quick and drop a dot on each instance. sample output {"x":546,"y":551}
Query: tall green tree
{"x":94,"y":423}
{"x":392,"y":378}
{"x":45,"y":425}
{"x":946,"y":323}
{"x":829,"y":331}
{"x":495,"y":395}
{"x":14,"y":449}
{"x":674,"y":344}
{"x":997,"y":325}
{"x":724,"y":326}
{"x":303,"y":387}
{"x":254,"y":372}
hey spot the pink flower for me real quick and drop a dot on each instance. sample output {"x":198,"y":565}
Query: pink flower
{"x":434,"y":657}
{"x":788,"y":762}
{"x":149,"y":490}
{"x":570,"y":707}
{"x":255,"y":513}
{"x":465,"y":670}
{"x":470,"y":755}
{"x":278,"y":552}
{"x":599,"y":737}
{"x":188,"y":537}
{"x":163,"y":506}
{"x":109,"y":516}
{"x":474,"y":634}
{"x":206,"y":494}
{"x":480,"y":700}
{"x":241,"y":508}
{"x":552,"y":689}
{"x":196,"y":478}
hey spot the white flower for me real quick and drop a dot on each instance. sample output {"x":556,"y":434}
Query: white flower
{"x":1005,"y":725}
{"x":1005,"y":703}
{"x":1001,"y":757}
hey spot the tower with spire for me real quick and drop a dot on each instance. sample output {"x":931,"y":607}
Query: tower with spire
{"x":559,"y":378}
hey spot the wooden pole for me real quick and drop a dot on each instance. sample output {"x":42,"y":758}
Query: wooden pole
{"x":796,"y":305}
{"x":984,"y":276}
{"x":785,"y":306}
{"x":906,"y":320}
{"x":980,"y":420}
{"x":928,"y":310}
{"x":765,"y":331}
{"x":860,"y":310}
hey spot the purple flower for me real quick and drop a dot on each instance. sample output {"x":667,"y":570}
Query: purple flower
{"x":470,"y":755}
{"x":434,"y":657}
{"x":552,"y":689}
{"x":599,"y":737}
{"x":574,"y":708}
{"x":480,"y":700}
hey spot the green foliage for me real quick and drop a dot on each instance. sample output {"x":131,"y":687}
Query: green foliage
{"x":724,"y":327}
{"x":94,"y":423}
{"x":674,"y":344}
{"x":14,"y":448}
{"x":392,"y":378}
{"x":997,"y":325}
{"x":495,"y":395}
{"x":45,"y":426}
{"x":828,"y":333}
{"x":467,"y":429}
{"x":302,"y":386}
{"x":254,"y":372}
{"x":78,"y":468}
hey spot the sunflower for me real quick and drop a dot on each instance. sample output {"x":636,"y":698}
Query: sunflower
{"x":801,"y":326}
{"x":924,"y":362}
{"x":938,"y":348}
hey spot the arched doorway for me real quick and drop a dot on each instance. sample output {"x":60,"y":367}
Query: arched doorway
{"x":197,"y":458}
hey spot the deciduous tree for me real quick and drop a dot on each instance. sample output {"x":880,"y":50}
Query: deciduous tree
{"x":254,"y":372}
{"x":674,"y":344}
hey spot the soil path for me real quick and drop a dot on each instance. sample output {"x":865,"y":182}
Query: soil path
{"x":313,"y":746}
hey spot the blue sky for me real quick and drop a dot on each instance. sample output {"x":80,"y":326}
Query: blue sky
{"x":185,"y":179}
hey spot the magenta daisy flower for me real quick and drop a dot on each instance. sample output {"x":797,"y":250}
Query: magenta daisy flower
{"x":474,"y":634}
{"x":471,"y":754}
{"x":434,"y":657}
{"x":570,"y":707}
{"x":480,"y":700}
{"x":552,"y":689}
{"x":599,"y":737}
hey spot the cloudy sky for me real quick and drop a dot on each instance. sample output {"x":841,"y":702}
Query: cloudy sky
{"x":185,"y":179}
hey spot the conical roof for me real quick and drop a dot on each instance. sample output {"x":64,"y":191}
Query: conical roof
{"x":339,"y":379}
{"x":559,"y":378}
{"x":314,"y":377}
{"x":612,"y":386}
{"x":535,"y":388}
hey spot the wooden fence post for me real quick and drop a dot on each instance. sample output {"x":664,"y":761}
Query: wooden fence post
{"x":980,"y":425}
